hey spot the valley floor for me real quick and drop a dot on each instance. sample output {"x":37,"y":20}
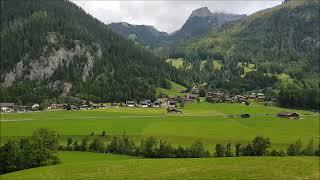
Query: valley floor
{"x":84,"y":165}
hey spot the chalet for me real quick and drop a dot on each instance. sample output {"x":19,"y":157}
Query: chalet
{"x":130,"y":104}
{"x":114,"y":104}
{"x":24,"y":108}
{"x":56,"y":106}
{"x":171,"y":103}
{"x":289,"y":115}
{"x":143,"y":104}
{"x":35,"y":107}
{"x":149,"y":103}
{"x":7,"y":107}
{"x":157,"y":104}
{"x":261,"y":97}
{"x":173,"y":110}
{"x":195,"y":90}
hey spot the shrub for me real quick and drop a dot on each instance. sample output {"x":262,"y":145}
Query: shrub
{"x":220,"y":150}
{"x":295,"y":148}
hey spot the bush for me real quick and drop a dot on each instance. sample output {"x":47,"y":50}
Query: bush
{"x":220,"y":150}
{"x":238,"y":149}
{"x":38,"y":150}
{"x":261,"y":145}
{"x":295,"y":149}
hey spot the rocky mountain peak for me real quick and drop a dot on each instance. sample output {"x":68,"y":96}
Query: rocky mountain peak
{"x":201,"y":12}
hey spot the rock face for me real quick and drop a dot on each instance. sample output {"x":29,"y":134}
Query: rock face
{"x":201,"y":21}
{"x":201,"y":12}
{"x":44,"y":67}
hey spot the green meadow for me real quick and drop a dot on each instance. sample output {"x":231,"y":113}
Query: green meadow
{"x":85,"y":165}
{"x":210,"y":123}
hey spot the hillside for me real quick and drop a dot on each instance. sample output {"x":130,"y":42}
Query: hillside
{"x":146,"y":35}
{"x":53,"y":49}
{"x":280,"y":40}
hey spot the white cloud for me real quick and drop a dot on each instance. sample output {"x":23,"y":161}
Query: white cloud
{"x":165,"y":15}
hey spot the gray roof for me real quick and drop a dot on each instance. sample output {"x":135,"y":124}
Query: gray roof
{"x":6,"y":104}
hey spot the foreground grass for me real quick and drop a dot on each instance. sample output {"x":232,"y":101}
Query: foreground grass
{"x":84,"y":165}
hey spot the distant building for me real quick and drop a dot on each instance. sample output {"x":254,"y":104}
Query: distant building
{"x":143,"y":104}
{"x":130,"y":104}
{"x":7,"y":107}
{"x":172,"y":103}
{"x":35,"y":106}
{"x":157,"y":104}
{"x":289,"y":115}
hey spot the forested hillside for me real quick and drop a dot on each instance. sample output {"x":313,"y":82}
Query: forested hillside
{"x":52,"y":49}
{"x":276,"y":50}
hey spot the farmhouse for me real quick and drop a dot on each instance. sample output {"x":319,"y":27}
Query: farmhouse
{"x":157,"y":104}
{"x":143,"y":104}
{"x":130,"y":104}
{"x":171,"y":103}
{"x":35,"y":106}
{"x":7,"y":107}
{"x":114,"y":104}
{"x":290,"y":115}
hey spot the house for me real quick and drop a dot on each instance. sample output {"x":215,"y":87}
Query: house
{"x":7,"y":107}
{"x":172,"y":103}
{"x":149,"y":103}
{"x":35,"y":107}
{"x":24,"y":108}
{"x":143,"y":104}
{"x":114,"y":104}
{"x":130,"y":104}
{"x":289,"y":115}
{"x":56,"y":106}
{"x":261,"y":97}
{"x":157,"y":104}
{"x":173,"y":110}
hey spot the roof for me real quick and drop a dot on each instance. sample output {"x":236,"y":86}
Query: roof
{"x":6,"y":104}
{"x":288,"y":113}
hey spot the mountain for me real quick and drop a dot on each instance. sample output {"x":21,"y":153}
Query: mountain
{"x":54,"y":49}
{"x":146,"y":35}
{"x":201,"y":21}
{"x":276,"y":50}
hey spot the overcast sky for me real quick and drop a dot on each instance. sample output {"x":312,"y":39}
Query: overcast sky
{"x":166,"y":16}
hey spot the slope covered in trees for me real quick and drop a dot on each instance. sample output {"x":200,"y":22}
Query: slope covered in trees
{"x":53,"y":48}
{"x":284,"y":39}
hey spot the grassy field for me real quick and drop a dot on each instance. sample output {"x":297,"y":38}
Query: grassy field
{"x":174,"y":91}
{"x":81,"y":165}
{"x":210,"y":123}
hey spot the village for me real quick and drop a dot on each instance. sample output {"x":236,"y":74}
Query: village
{"x":172,"y":104}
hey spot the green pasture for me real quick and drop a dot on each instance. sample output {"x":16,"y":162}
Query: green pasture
{"x":210,"y":123}
{"x":174,"y":91}
{"x":84,"y":165}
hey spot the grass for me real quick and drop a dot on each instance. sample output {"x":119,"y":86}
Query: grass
{"x":81,"y":165}
{"x":205,"y":121}
{"x":177,"y":63}
{"x":217,"y":64}
{"x":174,"y":91}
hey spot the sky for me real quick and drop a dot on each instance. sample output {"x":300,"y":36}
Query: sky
{"x":166,"y":15}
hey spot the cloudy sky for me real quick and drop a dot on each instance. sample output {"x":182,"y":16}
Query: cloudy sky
{"x":166,"y":15}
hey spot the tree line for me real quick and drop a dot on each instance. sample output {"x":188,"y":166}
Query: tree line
{"x":29,"y":152}
{"x":153,"y":148}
